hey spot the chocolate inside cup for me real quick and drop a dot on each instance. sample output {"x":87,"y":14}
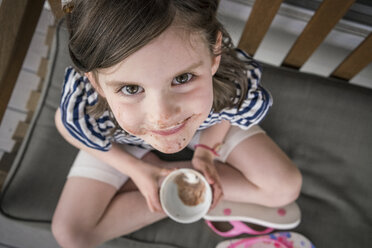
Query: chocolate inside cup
{"x":191,"y":189}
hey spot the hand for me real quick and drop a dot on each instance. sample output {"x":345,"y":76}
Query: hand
{"x":148,"y":179}
{"x":203,"y":162}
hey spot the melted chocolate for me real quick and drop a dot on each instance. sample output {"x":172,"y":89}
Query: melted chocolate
{"x":191,"y":194}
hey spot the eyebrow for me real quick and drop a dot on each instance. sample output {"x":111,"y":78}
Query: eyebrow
{"x":193,"y":66}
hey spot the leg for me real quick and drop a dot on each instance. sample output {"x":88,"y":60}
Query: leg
{"x":267,"y":175}
{"x":90,"y":212}
{"x":254,"y":169}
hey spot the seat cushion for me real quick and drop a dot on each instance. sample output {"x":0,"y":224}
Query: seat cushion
{"x":323,"y":124}
{"x":39,"y":171}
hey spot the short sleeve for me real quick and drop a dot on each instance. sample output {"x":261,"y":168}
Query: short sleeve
{"x":257,"y":102}
{"x":77,"y":96}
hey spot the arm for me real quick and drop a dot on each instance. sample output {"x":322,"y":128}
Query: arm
{"x":115,"y":157}
{"x":145,"y":175}
{"x":212,"y":137}
{"x":203,"y":158}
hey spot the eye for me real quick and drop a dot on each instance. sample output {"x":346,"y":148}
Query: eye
{"x":131,"y":90}
{"x":184,"y":78}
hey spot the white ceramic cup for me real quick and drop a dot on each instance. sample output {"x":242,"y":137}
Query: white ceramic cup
{"x":172,"y":204}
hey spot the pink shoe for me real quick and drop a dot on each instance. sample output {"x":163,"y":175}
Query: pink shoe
{"x":275,"y":240}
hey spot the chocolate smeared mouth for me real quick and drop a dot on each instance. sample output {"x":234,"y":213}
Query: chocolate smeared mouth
{"x":172,"y":129}
{"x":191,"y":189}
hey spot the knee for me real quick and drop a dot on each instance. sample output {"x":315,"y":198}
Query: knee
{"x":286,"y":189}
{"x":292,"y":188}
{"x":67,"y":235}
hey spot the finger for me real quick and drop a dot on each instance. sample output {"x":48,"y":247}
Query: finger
{"x":156,"y":203}
{"x":149,"y":205}
{"x":210,"y":179}
{"x":217,"y":195}
{"x":156,"y":207}
{"x":163,"y":173}
{"x":166,"y":171}
{"x":208,"y":176}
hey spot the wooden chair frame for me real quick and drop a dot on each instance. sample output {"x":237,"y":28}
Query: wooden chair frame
{"x":321,"y":23}
{"x":18,"y":20}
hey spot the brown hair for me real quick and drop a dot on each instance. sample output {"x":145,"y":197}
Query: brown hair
{"x":105,"y":32}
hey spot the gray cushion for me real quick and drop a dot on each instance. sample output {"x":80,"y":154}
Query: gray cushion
{"x":323,"y":124}
{"x":39,"y":171}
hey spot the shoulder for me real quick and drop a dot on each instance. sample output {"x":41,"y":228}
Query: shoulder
{"x":77,"y":88}
{"x":77,"y":96}
{"x":257,"y":99}
{"x":254,"y":69}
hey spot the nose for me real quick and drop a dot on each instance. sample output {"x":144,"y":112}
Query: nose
{"x":164,"y":110}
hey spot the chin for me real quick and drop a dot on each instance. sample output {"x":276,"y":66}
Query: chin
{"x":172,"y":143}
{"x":169,"y":145}
{"x":169,"y":149}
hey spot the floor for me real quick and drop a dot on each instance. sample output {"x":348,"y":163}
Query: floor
{"x":232,"y":13}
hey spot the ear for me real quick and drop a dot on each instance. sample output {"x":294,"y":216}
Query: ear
{"x":217,"y":48}
{"x":95,"y":84}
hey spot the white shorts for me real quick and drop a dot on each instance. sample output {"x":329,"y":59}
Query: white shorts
{"x":87,"y":166}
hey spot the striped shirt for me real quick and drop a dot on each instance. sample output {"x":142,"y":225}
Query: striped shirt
{"x":78,"y":95}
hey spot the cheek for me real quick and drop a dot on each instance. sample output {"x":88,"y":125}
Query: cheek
{"x":128,"y":118}
{"x":203,"y":97}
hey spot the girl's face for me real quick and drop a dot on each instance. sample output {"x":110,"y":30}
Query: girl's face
{"x":163,"y":92}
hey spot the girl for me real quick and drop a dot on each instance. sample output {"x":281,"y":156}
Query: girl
{"x":159,"y":75}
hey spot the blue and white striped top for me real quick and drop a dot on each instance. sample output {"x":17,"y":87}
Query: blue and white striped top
{"x":78,"y":94}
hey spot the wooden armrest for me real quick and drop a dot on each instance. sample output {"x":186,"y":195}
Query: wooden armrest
{"x":18,"y":20}
{"x":56,"y":7}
